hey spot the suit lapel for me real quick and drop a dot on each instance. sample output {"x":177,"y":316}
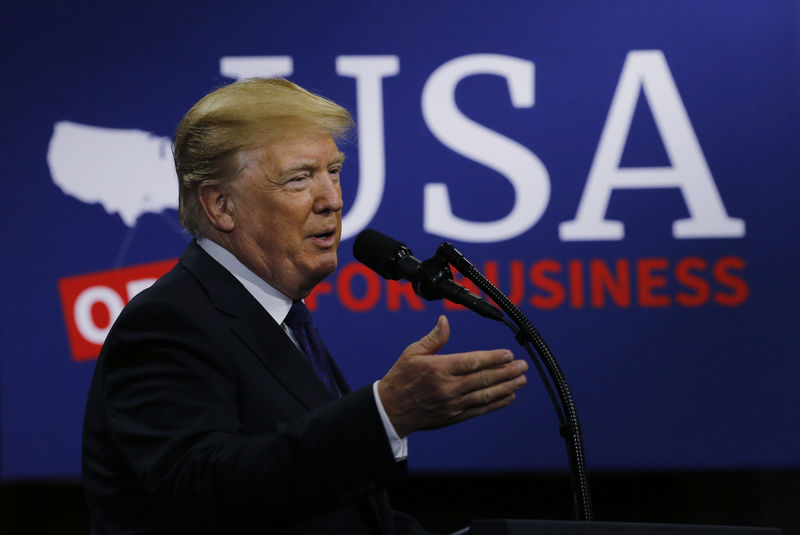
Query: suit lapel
{"x":256,"y":328}
{"x":341,"y":382}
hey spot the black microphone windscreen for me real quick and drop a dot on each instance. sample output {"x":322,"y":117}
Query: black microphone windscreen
{"x":378,"y":252}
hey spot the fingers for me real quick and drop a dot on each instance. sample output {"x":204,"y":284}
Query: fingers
{"x":489,"y":377}
{"x":433,"y":341}
{"x":467,"y":363}
{"x":487,"y":389}
{"x":482,"y":401}
{"x":485,"y":398}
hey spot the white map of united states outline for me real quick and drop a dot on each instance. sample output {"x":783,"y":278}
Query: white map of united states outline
{"x":128,"y":172}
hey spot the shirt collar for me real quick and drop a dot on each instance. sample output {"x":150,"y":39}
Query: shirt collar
{"x":274,"y":302}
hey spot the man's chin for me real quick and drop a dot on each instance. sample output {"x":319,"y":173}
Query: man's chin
{"x":324,"y":268}
{"x":314,"y":277}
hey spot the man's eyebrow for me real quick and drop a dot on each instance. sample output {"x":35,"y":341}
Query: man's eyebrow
{"x":310,"y":166}
{"x":338,"y":159}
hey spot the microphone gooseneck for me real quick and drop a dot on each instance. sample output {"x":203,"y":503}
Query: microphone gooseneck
{"x":527,"y":335}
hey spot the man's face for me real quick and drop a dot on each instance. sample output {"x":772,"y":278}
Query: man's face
{"x":287,"y":208}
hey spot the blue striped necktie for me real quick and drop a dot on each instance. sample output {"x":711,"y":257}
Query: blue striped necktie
{"x":310,"y":341}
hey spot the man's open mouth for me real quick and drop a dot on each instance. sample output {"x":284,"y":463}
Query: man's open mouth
{"x":323,"y":236}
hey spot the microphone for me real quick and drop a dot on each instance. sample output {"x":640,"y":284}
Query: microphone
{"x":431,"y":279}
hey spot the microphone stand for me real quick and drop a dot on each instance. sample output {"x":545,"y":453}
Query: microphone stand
{"x":528,"y":337}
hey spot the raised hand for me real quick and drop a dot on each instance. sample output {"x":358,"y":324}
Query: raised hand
{"x":424,"y":390}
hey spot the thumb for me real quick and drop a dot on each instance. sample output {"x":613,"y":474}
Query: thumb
{"x":433,"y":341}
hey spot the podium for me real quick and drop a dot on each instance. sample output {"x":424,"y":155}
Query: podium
{"x":566,"y":527}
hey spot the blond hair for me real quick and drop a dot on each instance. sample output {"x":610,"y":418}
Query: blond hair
{"x":243,"y":115}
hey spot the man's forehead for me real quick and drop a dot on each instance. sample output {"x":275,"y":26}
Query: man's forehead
{"x":303,"y":151}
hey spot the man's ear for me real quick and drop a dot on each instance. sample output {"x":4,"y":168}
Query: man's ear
{"x":218,"y":206}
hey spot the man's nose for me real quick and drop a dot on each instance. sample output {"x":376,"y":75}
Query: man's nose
{"x":328,"y":194}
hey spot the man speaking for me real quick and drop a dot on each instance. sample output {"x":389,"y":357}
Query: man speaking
{"x":214,"y":406}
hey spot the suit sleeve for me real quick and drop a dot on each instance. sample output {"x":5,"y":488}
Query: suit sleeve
{"x":171,"y":400}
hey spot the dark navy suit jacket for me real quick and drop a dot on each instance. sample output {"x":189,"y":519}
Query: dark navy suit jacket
{"x":203,"y":417}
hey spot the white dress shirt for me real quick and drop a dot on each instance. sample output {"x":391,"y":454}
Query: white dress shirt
{"x":277,"y":305}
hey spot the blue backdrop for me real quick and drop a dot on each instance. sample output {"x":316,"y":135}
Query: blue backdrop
{"x":546,"y":121}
